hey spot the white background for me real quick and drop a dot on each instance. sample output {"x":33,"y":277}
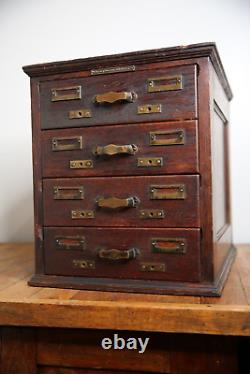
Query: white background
{"x":53,"y":30}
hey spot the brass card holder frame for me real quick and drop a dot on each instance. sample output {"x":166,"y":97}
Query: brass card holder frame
{"x":172,"y":83}
{"x":169,"y":245}
{"x":168,"y":192}
{"x":66,"y":93}
{"x":69,"y":143}
{"x":70,"y":242}
{"x":68,"y":193}
{"x":166,"y":137}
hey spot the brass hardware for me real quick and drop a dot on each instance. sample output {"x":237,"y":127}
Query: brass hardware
{"x":148,"y":266}
{"x":168,"y":192}
{"x":113,"y":149}
{"x":152,"y":214}
{"x":66,"y":93}
{"x":81,"y":164}
{"x":82,"y":214}
{"x":168,"y":245}
{"x":149,"y":109}
{"x":80,"y":113}
{"x":166,"y":83}
{"x":117,"y":254}
{"x":68,"y":193}
{"x":175,"y":137}
{"x":115,"y":203}
{"x":69,"y":143}
{"x":112,"y":97}
{"x":70,"y":242}
{"x":112,"y":70}
{"x":84,"y":264}
{"x":149,"y":161}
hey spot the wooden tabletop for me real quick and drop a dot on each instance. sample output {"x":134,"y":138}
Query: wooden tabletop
{"x":22,"y":305}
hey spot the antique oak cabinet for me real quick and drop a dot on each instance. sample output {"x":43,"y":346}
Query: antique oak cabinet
{"x":131,"y":176}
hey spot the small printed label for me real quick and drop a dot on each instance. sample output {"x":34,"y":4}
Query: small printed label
{"x":117,"y":342}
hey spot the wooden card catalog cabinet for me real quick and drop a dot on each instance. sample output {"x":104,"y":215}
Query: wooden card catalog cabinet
{"x":131,"y":172}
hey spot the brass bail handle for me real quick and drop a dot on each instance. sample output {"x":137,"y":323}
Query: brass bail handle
{"x":114,"y":149}
{"x":113,"y":97}
{"x":116,"y":203}
{"x":117,"y":254}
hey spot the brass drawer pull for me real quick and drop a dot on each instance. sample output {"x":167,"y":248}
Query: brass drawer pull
{"x":113,"y":149}
{"x":112,"y":97}
{"x":117,"y":254}
{"x":115,"y":203}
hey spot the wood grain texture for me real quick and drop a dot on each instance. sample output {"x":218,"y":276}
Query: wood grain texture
{"x":154,"y":55}
{"x":177,"y":266}
{"x":175,"y":104}
{"x":228,"y":315}
{"x":181,"y":158}
{"x":18,"y":354}
{"x":176,"y":212}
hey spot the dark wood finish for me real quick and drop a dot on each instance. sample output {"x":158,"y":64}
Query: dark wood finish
{"x":180,"y":158}
{"x":178,"y":212}
{"x":175,"y":105}
{"x":18,"y":354}
{"x":192,"y":51}
{"x":200,"y":106}
{"x":177,"y":266}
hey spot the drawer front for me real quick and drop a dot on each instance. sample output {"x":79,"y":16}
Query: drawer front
{"x":132,"y":253}
{"x":169,"y":201}
{"x":142,"y":96}
{"x":158,"y":148}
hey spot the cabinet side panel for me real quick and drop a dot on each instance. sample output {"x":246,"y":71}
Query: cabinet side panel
{"x":37,"y":177}
{"x":220,"y":173}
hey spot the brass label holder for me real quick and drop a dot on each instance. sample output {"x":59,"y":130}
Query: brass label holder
{"x":152,"y":214}
{"x":112,"y":70}
{"x":152,"y":267}
{"x":84,"y":264}
{"x":174,"y":137}
{"x":66,"y":93}
{"x":80,"y":113}
{"x":70,"y":242}
{"x":166,"y":83}
{"x":149,"y":162}
{"x":82,"y":214}
{"x":149,"y":109}
{"x":81,"y":164}
{"x":69,"y":143}
{"x":169,"y":245}
{"x":168,"y":192}
{"x":68,"y":193}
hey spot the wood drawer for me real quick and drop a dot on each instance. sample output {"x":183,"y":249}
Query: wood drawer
{"x":171,"y":90}
{"x":173,"y":143}
{"x":131,"y":253}
{"x":165,"y":201}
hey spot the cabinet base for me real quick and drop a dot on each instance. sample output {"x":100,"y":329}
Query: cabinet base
{"x":138,"y":286}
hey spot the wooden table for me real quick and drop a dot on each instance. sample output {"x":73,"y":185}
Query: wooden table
{"x":60,"y":331}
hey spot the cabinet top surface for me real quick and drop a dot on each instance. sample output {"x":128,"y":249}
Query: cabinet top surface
{"x":135,"y":58}
{"x":22,"y":305}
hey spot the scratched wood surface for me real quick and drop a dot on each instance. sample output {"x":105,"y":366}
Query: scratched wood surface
{"x":22,"y":305}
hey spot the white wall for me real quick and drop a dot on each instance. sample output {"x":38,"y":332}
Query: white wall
{"x":53,"y":30}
